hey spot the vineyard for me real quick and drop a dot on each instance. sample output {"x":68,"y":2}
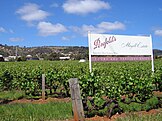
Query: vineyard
{"x":110,"y":88}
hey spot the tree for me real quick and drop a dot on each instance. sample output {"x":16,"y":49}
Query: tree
{"x":1,"y":59}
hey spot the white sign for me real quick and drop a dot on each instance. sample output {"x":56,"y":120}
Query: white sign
{"x":105,"y":44}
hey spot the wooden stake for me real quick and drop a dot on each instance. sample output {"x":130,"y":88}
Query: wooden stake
{"x":76,"y":100}
{"x":43,"y":86}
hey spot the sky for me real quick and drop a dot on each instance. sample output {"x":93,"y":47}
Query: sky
{"x":33,"y":23}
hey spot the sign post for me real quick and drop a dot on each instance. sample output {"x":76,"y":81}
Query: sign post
{"x":89,"y":42}
{"x":152,"y":55}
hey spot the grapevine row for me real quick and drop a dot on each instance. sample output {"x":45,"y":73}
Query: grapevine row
{"x":108,"y":83}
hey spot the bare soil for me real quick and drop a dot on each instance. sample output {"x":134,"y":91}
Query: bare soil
{"x":114,"y":117}
{"x":41,"y":101}
{"x":157,"y":93}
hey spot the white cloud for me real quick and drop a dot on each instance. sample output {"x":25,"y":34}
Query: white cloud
{"x":65,"y":38}
{"x":31,"y":12}
{"x":2,"y":29}
{"x":16,"y":39}
{"x":54,"y":5}
{"x":84,"y":6}
{"x":109,"y":26}
{"x":68,"y":37}
{"x":47,"y":28}
{"x":103,"y":27}
{"x":11,"y":31}
{"x":158,"y":32}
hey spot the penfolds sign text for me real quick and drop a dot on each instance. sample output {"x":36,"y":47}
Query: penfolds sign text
{"x":99,"y":44}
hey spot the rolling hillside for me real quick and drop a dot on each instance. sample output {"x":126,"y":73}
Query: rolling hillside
{"x":47,"y":50}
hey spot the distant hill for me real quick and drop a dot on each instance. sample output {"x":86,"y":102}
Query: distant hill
{"x":44,"y":51}
{"x":157,"y":52}
{"x":47,"y":50}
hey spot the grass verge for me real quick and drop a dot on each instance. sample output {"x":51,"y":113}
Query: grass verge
{"x":36,"y":112}
{"x":11,"y":95}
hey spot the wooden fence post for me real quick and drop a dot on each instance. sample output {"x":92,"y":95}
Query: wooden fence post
{"x":76,"y":100}
{"x":43,"y":86}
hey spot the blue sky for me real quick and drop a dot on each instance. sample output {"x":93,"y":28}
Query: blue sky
{"x":66,"y":22}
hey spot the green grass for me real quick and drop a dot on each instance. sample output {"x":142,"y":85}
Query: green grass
{"x":36,"y":112}
{"x":145,"y":117}
{"x":15,"y":95}
{"x":11,"y":95}
{"x":148,"y":105}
